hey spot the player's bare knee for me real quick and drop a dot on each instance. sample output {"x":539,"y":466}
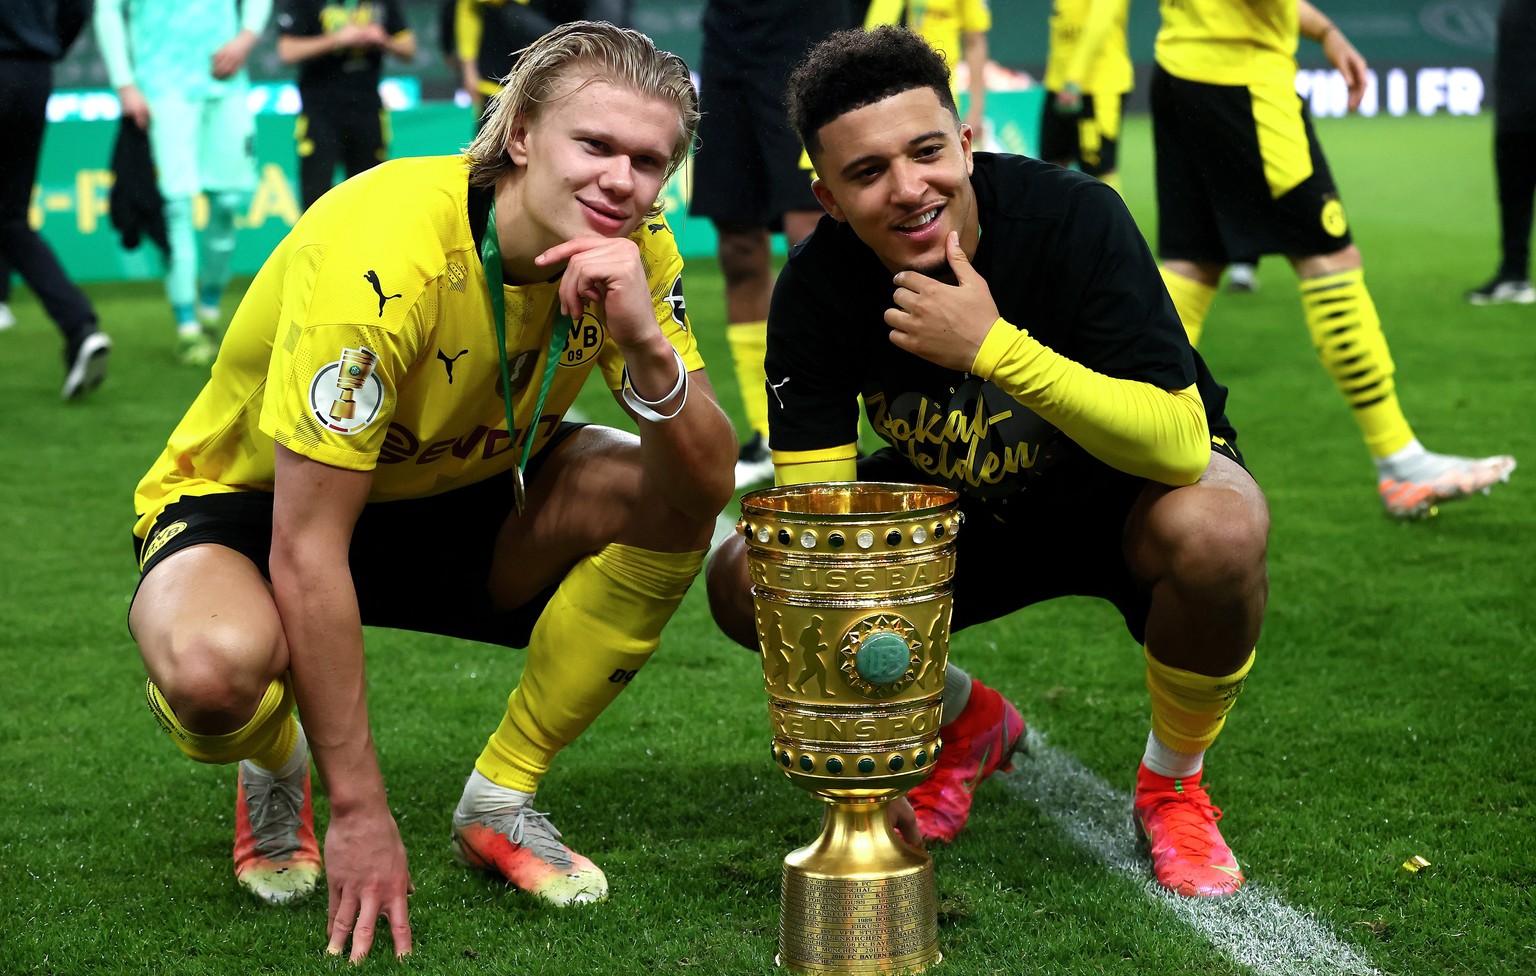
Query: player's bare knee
{"x":1220,"y":548}
{"x":730,"y":593}
{"x":215,"y":679}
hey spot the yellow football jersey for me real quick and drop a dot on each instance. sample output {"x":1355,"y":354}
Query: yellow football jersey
{"x":1088,"y":46}
{"x":942,"y":23}
{"x":1229,"y":42}
{"x":366,"y":342}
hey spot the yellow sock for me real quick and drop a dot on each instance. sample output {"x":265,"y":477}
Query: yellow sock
{"x":1191,"y":299}
{"x":1347,"y":333}
{"x":602,"y":624}
{"x":749,"y":344}
{"x":1189,"y":709}
{"x":267,"y":739}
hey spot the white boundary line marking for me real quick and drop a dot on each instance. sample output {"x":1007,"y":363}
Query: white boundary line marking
{"x":1253,"y":928}
{"x":725,"y":526}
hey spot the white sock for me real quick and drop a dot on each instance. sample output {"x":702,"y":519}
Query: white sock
{"x":1398,"y":463}
{"x":482,"y":797}
{"x":957,"y":694}
{"x":1165,"y":761}
{"x":293,"y":766}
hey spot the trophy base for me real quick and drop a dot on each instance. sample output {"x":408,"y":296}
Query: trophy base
{"x":858,"y":900}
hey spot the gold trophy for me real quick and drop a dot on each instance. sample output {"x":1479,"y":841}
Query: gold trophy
{"x":356,"y":365}
{"x":851,"y":583}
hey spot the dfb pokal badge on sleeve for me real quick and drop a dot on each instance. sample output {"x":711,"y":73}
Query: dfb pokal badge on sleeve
{"x":851,"y":583}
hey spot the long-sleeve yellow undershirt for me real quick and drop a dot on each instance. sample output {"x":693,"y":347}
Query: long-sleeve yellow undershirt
{"x":1136,"y":427}
{"x":1157,"y":434}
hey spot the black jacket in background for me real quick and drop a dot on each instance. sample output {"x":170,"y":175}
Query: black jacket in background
{"x":135,"y":206}
{"x":41,"y":30}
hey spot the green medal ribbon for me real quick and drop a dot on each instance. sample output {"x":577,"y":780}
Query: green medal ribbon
{"x":490,"y":256}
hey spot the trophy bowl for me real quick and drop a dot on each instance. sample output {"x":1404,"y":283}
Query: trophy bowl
{"x":851,"y":584}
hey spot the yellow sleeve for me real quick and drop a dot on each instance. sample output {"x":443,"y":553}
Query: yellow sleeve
{"x":1096,"y":26}
{"x":975,"y":17}
{"x":808,"y":467}
{"x":883,"y":12}
{"x":466,"y":30}
{"x":1133,"y":426}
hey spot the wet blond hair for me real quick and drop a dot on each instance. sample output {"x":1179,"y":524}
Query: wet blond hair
{"x":622,"y":57}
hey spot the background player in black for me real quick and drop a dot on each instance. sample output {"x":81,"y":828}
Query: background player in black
{"x":1024,"y":354}
{"x":490,"y":33}
{"x":748,"y":178}
{"x":339,"y":48}
{"x":33,"y":35}
{"x":1514,"y":154}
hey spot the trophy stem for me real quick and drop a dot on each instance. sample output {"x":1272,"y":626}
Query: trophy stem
{"x":858,"y":900}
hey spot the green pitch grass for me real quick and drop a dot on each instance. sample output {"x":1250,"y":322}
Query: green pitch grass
{"x":1390,"y":714}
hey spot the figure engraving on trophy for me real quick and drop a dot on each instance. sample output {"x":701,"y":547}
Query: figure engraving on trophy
{"x":777,"y":652}
{"x":813,"y":647}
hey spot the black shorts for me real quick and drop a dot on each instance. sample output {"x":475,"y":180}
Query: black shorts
{"x":1090,"y":138}
{"x":1240,"y":173}
{"x":1063,"y":540}
{"x":326,"y":136}
{"x":748,"y":166}
{"x":421,"y":564}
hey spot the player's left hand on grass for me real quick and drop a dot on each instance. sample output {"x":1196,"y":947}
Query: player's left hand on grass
{"x":368,"y":879}
{"x":943,"y":323}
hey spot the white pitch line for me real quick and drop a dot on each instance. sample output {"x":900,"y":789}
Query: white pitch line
{"x":725,"y":527}
{"x":1252,"y":928}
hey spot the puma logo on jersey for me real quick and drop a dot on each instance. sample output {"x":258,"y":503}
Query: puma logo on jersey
{"x":373,"y":279}
{"x":448,"y":363}
{"x":775,"y":388}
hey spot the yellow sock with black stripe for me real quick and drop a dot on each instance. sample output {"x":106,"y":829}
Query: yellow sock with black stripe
{"x":1191,"y":299}
{"x":1347,"y":334}
{"x":1188,"y":711}
{"x":268,"y":739}
{"x":600,"y":627}
{"x":749,"y":344}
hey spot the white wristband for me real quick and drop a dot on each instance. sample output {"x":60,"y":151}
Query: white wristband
{"x":647,"y":408}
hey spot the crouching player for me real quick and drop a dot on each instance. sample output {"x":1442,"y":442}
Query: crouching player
{"x":1009,"y":333}
{"x":381,"y":442}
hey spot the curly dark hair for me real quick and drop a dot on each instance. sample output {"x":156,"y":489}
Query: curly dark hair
{"x":855,"y":68}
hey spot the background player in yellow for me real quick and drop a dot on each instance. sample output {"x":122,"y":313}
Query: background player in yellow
{"x":1240,"y":173}
{"x":392,"y":384}
{"x":1087,"y":75}
{"x":993,"y":313}
{"x":957,"y":29}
